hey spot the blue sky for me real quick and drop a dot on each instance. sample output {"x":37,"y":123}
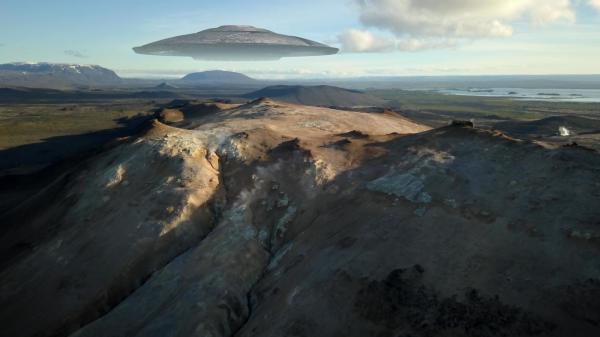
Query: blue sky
{"x":103,"y":32}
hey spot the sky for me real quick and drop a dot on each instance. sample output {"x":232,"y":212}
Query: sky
{"x":376,"y":37}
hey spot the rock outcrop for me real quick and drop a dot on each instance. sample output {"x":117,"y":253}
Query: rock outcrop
{"x":271,"y":219}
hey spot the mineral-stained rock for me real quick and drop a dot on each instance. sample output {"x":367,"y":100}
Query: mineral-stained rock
{"x":250,"y":225}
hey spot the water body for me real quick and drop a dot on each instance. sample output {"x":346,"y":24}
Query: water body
{"x":549,"y":95}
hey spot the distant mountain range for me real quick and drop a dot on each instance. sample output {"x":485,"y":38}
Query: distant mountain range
{"x":321,"y":95}
{"x":75,"y":76}
{"x":165,"y":86}
{"x":54,"y":75}
{"x":217,"y":76}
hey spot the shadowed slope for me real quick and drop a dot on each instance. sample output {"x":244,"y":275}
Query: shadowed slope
{"x":322,"y":95}
{"x":273,"y":219}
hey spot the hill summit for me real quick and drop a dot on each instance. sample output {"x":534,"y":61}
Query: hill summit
{"x":321,"y":95}
{"x":219,"y":76}
{"x":273,"y":219}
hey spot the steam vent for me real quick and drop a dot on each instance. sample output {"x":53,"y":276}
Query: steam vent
{"x":236,"y":43}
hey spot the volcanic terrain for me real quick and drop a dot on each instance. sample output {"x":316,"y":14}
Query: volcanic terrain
{"x":276,"y":219}
{"x":320,"y":95}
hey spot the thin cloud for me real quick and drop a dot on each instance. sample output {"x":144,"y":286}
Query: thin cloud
{"x":358,"y":41}
{"x":75,"y":53}
{"x":428,"y":24}
{"x":414,"y":45}
{"x":460,"y":18}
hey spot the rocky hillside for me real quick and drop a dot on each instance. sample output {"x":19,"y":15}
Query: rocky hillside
{"x":271,"y":219}
{"x":556,"y":130}
{"x":321,"y":95}
{"x":549,"y":126}
{"x":54,"y":75}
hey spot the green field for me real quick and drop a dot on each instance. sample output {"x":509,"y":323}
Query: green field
{"x":28,"y":124}
{"x":34,"y":136}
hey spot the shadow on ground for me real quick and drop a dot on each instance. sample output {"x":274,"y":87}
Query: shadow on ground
{"x":23,"y":169}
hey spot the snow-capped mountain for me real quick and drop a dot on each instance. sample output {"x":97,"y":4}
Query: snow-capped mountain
{"x":55,"y":75}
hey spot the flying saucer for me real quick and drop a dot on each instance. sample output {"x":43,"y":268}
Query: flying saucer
{"x":236,"y":43}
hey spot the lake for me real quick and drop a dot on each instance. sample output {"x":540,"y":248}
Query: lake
{"x":551,"y":95}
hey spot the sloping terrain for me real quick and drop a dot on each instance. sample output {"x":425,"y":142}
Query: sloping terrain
{"x":549,"y":126}
{"x":273,"y":219}
{"x":321,"y":95}
{"x":581,"y":130}
{"x":36,"y":136}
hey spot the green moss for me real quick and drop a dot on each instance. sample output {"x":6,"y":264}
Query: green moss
{"x":28,"y":124}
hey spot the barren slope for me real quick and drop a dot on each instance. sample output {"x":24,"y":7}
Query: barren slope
{"x":271,"y":219}
{"x":583,"y":131}
{"x":321,"y":95}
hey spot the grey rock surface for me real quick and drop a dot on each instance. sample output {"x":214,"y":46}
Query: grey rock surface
{"x":249,"y":224}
